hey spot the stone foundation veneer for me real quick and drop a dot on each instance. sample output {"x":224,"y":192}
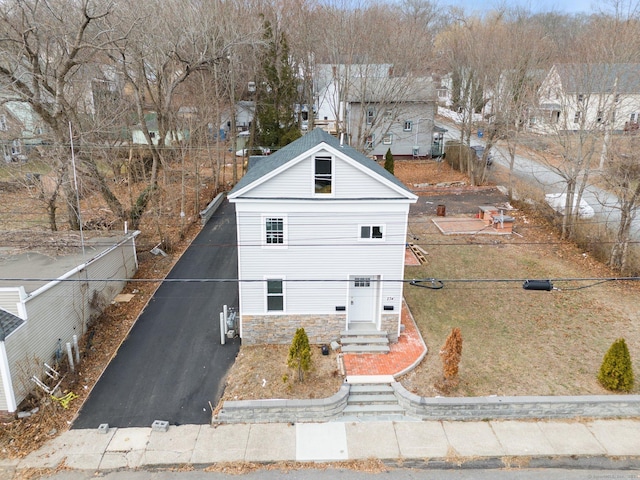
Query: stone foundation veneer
{"x":389,"y":322}
{"x":280,"y":329}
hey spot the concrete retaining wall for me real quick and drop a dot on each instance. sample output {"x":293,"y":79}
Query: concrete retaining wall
{"x":525,"y":407}
{"x":207,"y":213}
{"x":278,"y":411}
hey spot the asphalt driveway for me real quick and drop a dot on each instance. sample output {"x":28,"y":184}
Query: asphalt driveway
{"x":172,"y":364}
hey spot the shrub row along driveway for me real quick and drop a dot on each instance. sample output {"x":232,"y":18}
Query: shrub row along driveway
{"x":172,"y":364}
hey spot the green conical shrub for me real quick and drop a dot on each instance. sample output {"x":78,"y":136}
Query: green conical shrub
{"x":616,"y":372}
{"x":300,"y":353}
{"x":389,"y":163}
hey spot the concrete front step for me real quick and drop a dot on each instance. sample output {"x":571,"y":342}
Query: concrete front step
{"x":372,"y":410}
{"x":370,"y":389}
{"x":365,"y":340}
{"x":365,"y":348}
{"x":363,"y":333}
{"x":372,"y":399}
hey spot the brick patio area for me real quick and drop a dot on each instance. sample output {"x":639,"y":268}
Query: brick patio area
{"x":408,"y":350}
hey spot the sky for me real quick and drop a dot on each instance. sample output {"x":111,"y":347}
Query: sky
{"x":560,"y":6}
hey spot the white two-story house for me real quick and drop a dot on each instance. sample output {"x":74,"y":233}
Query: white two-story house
{"x":321,"y":243}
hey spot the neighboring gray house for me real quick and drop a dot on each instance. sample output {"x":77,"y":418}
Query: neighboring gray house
{"x":322,"y":231}
{"x":38,"y":317}
{"x":378,"y":109}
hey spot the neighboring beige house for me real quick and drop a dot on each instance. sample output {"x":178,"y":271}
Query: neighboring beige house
{"x":588,"y":97}
{"x":38,"y":317}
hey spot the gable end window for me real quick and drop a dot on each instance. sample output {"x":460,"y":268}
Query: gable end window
{"x":274,"y":231}
{"x":371,"y":232}
{"x":275,"y":295}
{"x":323,"y":175}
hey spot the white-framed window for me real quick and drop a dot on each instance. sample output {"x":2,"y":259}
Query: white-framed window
{"x":274,"y":230}
{"x":369,"y":141}
{"x":371,"y":113}
{"x":633,"y":118}
{"x":323,"y":175}
{"x":576,"y":117}
{"x":599,"y":116}
{"x":388,"y":113}
{"x":387,"y":139}
{"x":580,"y":97}
{"x":408,"y":126}
{"x":16,"y":147}
{"x":3,"y":123}
{"x":274,"y":288}
{"x":371,"y":232}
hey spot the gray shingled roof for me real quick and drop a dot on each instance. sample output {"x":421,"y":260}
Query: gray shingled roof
{"x":624,"y":78}
{"x":8,"y":323}
{"x":303,"y":144}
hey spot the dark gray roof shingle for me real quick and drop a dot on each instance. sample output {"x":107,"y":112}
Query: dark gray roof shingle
{"x":265,"y":165}
{"x":8,"y":323}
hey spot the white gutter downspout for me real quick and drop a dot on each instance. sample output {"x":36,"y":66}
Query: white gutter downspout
{"x":79,"y":268}
{"x":10,"y":396}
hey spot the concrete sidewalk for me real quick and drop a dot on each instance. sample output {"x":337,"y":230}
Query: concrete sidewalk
{"x":426,"y":444}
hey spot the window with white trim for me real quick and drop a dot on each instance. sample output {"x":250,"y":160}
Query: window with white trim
{"x":371,"y":113}
{"x":371,"y":232}
{"x":408,"y":126}
{"x":387,"y":139}
{"x":274,"y":230}
{"x":323,"y":174}
{"x":369,"y":141}
{"x":3,"y":123}
{"x":275,"y":295}
{"x":576,"y":117}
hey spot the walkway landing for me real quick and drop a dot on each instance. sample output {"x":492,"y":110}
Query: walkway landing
{"x":404,"y":355}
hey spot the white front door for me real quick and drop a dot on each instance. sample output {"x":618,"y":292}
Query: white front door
{"x":362,"y":296}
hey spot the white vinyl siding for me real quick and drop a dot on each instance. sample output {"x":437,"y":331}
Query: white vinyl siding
{"x":298,"y":182}
{"x":323,"y":246}
{"x":9,"y":299}
{"x":61,"y":311}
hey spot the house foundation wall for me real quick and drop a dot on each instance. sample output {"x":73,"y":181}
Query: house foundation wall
{"x":280,"y":329}
{"x":389,"y":323}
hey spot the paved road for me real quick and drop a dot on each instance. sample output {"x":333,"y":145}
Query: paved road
{"x":530,"y":171}
{"x":172,"y":364}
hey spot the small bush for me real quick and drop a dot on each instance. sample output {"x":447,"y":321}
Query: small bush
{"x":300,"y":353}
{"x":616,"y":372}
{"x":450,"y":354}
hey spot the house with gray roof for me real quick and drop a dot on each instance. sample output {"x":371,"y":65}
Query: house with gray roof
{"x":589,"y":97}
{"x":321,"y":243}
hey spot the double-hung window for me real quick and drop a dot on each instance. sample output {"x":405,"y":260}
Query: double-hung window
{"x":371,"y":232}
{"x":275,"y":230}
{"x":408,"y":126}
{"x":275,"y":295}
{"x":323,"y":175}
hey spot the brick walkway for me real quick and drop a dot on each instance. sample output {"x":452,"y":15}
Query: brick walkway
{"x":403,"y":354}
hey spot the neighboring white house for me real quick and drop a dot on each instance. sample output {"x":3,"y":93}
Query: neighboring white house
{"x":321,"y":243}
{"x":589,"y":97}
{"x":378,"y":109}
{"x":38,"y":317}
